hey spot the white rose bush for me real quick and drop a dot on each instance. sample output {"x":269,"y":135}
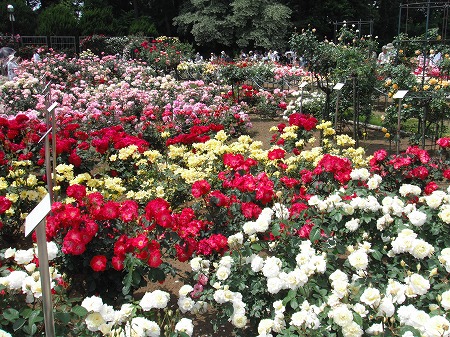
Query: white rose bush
{"x":294,"y":240}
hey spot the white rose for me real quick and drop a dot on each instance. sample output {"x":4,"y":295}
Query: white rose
{"x":407,"y":189}
{"x":417,"y":218}
{"x":341,"y":315}
{"x":239,"y":321}
{"x":185,"y":290}
{"x":416,"y":285}
{"x":359,"y":259}
{"x":185,"y":304}
{"x":257,"y":263}
{"x":10,"y":253}
{"x":24,"y":256}
{"x":93,"y":321}
{"x":195,"y":263}
{"x":272,"y":266}
{"x":445,"y":301}
{"x":437,"y":326}
{"x":274,"y":285}
{"x":371,"y":297}
{"x":185,"y":325}
{"x":374,"y":182}
{"x":421,"y":249}
{"x":352,"y":330}
{"x":298,"y":318}
{"x":375,"y":329}
{"x":265,"y":326}
{"x":352,"y":225}
{"x":52,"y":250}
{"x":222,"y":273}
{"x":93,"y":303}
{"x":156,"y":299}
{"x":386,"y":307}
{"x":444,"y":214}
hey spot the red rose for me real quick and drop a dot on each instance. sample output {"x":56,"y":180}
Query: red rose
{"x":276,"y":154}
{"x":98,"y":263}
{"x":5,"y":204}
{"x":155,"y":258}
{"x":200,"y":188}
{"x":117,"y":263}
{"x":430,"y":188}
{"x":129,"y":210}
{"x":76,"y":191}
{"x":443,"y":142}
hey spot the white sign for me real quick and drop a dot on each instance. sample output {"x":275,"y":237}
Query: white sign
{"x":338,"y":86}
{"x":51,"y":107}
{"x":400,"y":94}
{"x":302,"y":85}
{"x":37,"y":214}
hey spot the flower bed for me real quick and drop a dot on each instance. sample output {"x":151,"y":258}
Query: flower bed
{"x":295,"y":240}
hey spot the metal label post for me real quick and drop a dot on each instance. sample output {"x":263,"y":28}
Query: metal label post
{"x":338,"y":87}
{"x":302,"y":86}
{"x":399,"y":95}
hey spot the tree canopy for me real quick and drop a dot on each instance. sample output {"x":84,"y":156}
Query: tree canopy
{"x":213,"y":24}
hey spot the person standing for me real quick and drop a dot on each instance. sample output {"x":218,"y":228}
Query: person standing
{"x":36,"y":56}
{"x":383,"y":57}
{"x":11,"y":67}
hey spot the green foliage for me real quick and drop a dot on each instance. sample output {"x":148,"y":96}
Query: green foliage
{"x":57,"y":20}
{"x":236,"y":24}
{"x":96,"y":21}
{"x":143,"y":26}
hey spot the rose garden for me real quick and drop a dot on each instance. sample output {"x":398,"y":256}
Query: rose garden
{"x":155,"y":177}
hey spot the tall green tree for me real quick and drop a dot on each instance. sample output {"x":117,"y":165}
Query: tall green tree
{"x":235,"y":24}
{"x":59,"y":19}
{"x":207,"y":21}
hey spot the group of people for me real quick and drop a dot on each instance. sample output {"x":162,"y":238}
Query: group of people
{"x":288,"y":57}
{"x":387,"y":54}
{"x":11,"y":64}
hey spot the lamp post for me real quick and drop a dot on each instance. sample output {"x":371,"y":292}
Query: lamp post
{"x":10,"y":9}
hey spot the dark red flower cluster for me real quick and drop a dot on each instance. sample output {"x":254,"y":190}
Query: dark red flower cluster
{"x":200,"y":188}
{"x":303,"y":121}
{"x":197,"y":134}
{"x":117,"y":138}
{"x":18,"y":137}
{"x":339,"y":167}
{"x":248,"y":90}
{"x":443,"y":142}
{"x":412,"y":166}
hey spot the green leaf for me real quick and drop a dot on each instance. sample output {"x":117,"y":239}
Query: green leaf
{"x":11,"y":314}
{"x":79,"y":311}
{"x":405,"y":329}
{"x":314,"y":235}
{"x":30,"y":329}
{"x":36,"y":316}
{"x":338,"y":217}
{"x":377,"y":255}
{"x":294,"y":303}
{"x":357,"y":319}
{"x":291,"y":294}
{"x":256,"y":247}
{"x":64,"y":317}
{"x":19,"y":324}
{"x":26,"y":312}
